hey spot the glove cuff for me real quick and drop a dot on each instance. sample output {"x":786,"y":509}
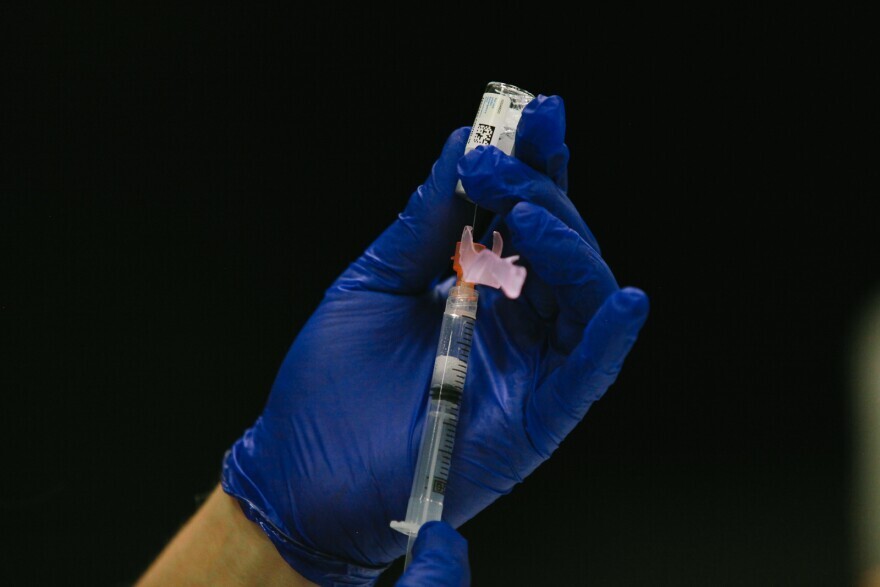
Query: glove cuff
{"x":308,"y":562}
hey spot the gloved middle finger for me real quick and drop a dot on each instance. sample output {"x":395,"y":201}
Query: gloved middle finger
{"x":498,"y":182}
{"x":567,"y":263}
{"x":539,"y":295}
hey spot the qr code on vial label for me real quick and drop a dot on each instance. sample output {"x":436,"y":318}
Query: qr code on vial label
{"x":482,"y":134}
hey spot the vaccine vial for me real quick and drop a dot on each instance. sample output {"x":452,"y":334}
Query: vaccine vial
{"x":496,"y":120}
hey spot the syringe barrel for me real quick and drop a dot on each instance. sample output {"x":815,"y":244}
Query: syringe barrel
{"x":441,"y":420}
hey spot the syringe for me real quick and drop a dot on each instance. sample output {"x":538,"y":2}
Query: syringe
{"x":495,"y":124}
{"x":441,"y":422}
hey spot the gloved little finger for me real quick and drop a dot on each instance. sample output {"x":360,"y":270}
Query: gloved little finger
{"x":563,"y":260}
{"x":561,"y":402}
{"x":498,"y":182}
{"x":440,"y":559}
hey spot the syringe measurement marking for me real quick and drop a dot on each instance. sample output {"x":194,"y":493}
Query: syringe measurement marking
{"x":448,"y":427}
{"x":444,"y":453}
{"x":432,"y":467}
{"x":446,"y":443}
{"x":441,"y":459}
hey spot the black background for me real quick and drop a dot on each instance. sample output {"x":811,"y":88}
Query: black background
{"x":178,"y":188}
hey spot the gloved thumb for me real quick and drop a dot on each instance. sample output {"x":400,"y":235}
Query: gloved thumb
{"x":440,"y":559}
{"x":412,"y":252}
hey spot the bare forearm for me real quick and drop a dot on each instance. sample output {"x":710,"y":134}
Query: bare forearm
{"x":222,"y":548}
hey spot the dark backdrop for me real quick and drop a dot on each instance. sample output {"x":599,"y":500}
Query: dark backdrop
{"x":179,"y":187}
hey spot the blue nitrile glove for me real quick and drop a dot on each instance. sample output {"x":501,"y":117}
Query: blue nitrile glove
{"x":330,"y":461}
{"x":440,"y":559}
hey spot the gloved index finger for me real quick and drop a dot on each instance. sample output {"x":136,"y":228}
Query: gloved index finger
{"x":540,"y":138}
{"x":416,"y":248}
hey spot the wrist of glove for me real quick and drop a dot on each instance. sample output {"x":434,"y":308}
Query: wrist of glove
{"x":308,"y":560}
{"x":439,"y":554}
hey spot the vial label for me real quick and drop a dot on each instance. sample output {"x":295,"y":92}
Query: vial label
{"x":491,"y":123}
{"x":494,"y":125}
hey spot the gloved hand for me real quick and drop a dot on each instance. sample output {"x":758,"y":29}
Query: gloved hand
{"x":330,"y":461}
{"x":440,"y":559}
